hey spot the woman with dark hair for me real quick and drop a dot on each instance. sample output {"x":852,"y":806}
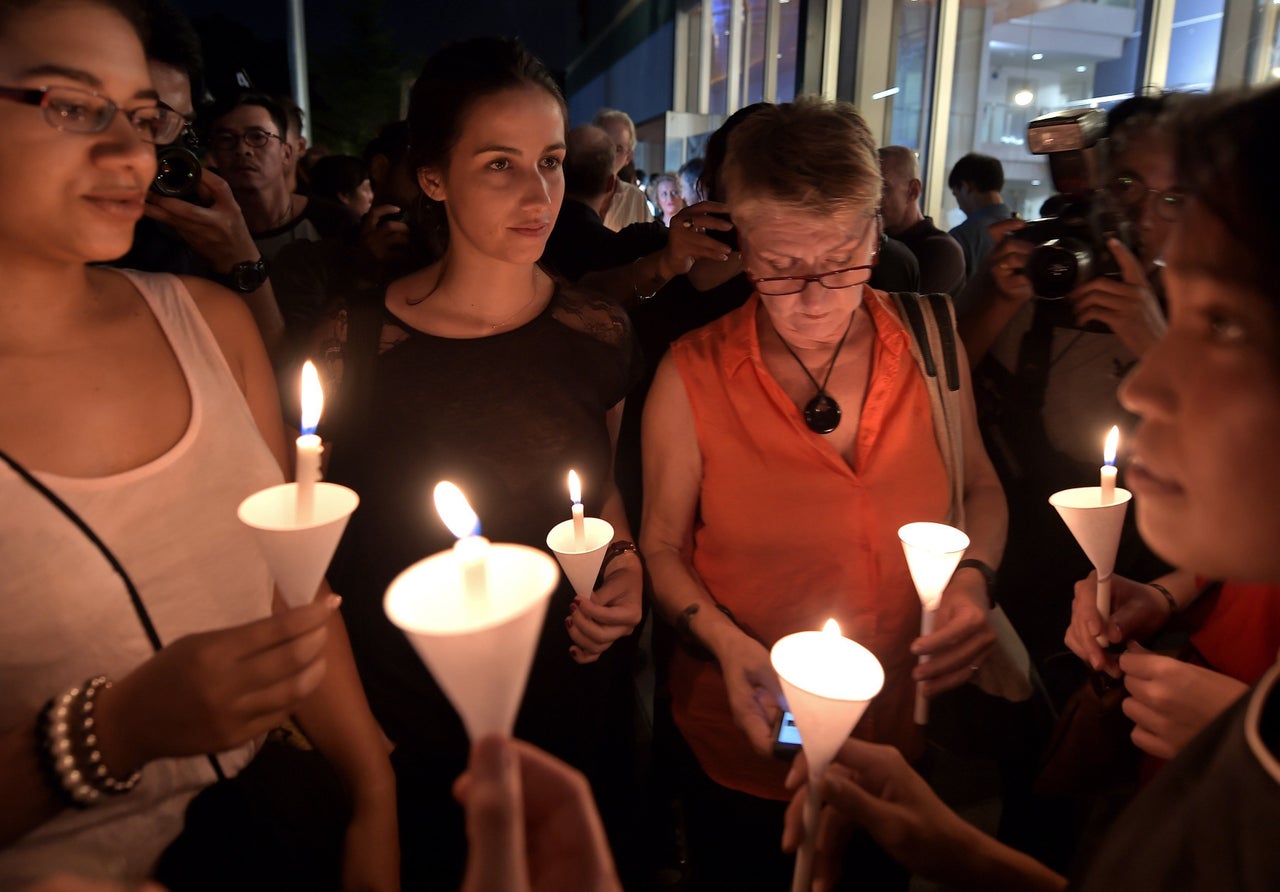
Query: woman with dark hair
{"x":142,"y":655}
{"x":481,"y":370}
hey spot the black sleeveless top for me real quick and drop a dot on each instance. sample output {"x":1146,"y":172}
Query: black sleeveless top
{"x":505,"y":417}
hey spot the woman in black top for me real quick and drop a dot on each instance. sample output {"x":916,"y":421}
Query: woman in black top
{"x":480,"y":369}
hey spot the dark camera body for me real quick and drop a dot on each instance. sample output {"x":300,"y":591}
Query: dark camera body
{"x":177,"y":173}
{"x":1071,"y":249}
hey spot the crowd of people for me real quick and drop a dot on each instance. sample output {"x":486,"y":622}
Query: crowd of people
{"x":757,"y":372}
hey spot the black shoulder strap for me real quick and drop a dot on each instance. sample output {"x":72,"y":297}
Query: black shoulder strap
{"x":947,"y":334}
{"x":139,"y":608}
{"x":910,"y":303}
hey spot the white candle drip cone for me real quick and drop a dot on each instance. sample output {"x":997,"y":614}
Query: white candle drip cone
{"x":479,"y":650}
{"x":298,"y":552}
{"x":581,"y":564}
{"x":932,"y":550}
{"x":828,"y":681}
{"x":1096,"y":527}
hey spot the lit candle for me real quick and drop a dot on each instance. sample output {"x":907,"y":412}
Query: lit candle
{"x":309,"y":447}
{"x":579,"y":518}
{"x":471,"y":549}
{"x":1109,"y":466}
{"x":827,"y":680}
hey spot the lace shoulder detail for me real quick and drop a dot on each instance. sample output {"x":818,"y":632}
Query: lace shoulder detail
{"x":592,"y":314}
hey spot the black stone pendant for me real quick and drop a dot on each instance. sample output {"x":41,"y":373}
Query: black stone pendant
{"x":822,"y":414}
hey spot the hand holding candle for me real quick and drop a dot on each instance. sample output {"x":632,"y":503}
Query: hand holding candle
{"x":309,"y":447}
{"x":471,"y":549}
{"x":579,"y":515}
{"x":828,"y":681}
{"x":473,"y":613}
{"x":933,"y":550}
{"x":1108,"y":469}
{"x":1095,"y":517}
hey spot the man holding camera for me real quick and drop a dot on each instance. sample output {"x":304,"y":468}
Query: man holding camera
{"x":203,"y":233}
{"x":1046,"y":371}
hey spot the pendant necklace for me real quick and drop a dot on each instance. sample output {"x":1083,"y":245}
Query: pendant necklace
{"x":822,"y":413}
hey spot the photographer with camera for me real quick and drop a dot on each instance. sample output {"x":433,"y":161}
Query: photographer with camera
{"x":1060,"y":312}
{"x":193,"y":224}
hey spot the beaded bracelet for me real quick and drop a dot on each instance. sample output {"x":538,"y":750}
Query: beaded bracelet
{"x":55,"y":751}
{"x":98,"y":773}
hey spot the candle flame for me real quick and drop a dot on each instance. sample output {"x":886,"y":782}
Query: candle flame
{"x":455,"y":510}
{"x":312,"y":398}
{"x":1113,"y":441}
{"x":575,"y":488}
{"x":831,"y":627}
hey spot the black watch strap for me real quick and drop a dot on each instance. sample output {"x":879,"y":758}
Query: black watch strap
{"x":987,"y":572}
{"x":248,"y":276}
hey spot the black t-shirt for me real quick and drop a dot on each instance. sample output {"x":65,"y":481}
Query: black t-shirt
{"x":505,"y":417}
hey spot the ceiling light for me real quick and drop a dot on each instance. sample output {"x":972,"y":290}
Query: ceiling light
{"x":1024,"y":98}
{"x":1035,"y":182}
{"x":1081,"y":69}
{"x":1036,"y":57}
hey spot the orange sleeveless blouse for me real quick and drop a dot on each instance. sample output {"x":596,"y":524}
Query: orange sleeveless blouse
{"x":787,"y":534}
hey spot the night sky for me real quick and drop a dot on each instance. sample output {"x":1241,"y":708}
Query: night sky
{"x":550,"y":28}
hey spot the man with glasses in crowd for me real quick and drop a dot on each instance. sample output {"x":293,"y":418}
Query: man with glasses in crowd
{"x":203,"y":233}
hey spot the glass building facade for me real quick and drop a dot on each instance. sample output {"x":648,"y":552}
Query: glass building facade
{"x":944,"y":77}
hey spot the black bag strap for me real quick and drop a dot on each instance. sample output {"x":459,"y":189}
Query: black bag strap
{"x":932,"y":336}
{"x":139,"y":608}
{"x":946,"y":327}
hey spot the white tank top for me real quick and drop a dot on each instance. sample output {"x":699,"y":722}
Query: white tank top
{"x":65,"y":615}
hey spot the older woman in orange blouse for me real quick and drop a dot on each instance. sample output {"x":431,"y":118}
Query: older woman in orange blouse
{"x":784,"y":445}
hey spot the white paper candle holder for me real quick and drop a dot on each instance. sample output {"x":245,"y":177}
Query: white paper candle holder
{"x":479,"y":648}
{"x":298,"y":552}
{"x":581,"y":565}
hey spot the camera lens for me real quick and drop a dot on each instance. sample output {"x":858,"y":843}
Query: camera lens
{"x":177,"y":172}
{"x":1055,"y":267}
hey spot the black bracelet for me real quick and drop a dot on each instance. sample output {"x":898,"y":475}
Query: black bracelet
{"x":988,"y":574}
{"x":1168,"y":597}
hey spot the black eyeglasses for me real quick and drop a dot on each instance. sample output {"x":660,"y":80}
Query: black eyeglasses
{"x":1130,"y":190}
{"x":849,"y":276}
{"x":83,"y":111}
{"x":254,"y":138}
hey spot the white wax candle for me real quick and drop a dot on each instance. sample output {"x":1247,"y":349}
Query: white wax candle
{"x":927,"y":619}
{"x":1108,"y":469}
{"x":579,"y":515}
{"x":1104,"y":608}
{"x":309,"y":447}
{"x":472,"y":553}
{"x":471,"y":550}
{"x":307,"y":474}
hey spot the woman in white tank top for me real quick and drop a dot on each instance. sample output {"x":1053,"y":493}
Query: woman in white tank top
{"x":146,"y":405}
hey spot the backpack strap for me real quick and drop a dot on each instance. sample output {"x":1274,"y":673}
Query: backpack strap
{"x":933,"y":334}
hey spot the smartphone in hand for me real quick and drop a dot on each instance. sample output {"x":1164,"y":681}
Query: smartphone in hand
{"x":786,"y":736}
